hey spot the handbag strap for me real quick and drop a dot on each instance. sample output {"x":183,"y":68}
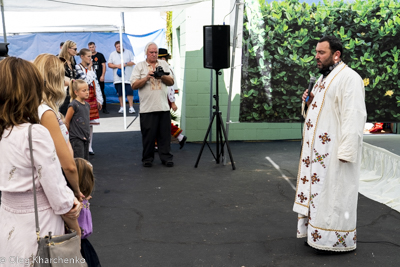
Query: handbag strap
{"x":33,"y":180}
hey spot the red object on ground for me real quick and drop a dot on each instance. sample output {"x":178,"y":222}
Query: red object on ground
{"x":377,"y":127}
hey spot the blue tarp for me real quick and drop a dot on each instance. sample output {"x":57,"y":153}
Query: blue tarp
{"x":30,"y":45}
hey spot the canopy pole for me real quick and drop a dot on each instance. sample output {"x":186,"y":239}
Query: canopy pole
{"x":211,"y":78}
{"x":123,"y":21}
{"x":4,"y":21}
{"x":228,"y":116}
{"x":122,"y":68}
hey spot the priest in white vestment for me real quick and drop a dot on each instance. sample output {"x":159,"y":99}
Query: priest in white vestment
{"x":329,"y":168}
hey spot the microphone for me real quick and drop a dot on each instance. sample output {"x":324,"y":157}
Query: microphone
{"x":310,"y":87}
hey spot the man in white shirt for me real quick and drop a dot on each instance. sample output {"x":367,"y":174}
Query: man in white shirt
{"x":155,"y":119}
{"x":114,"y":62}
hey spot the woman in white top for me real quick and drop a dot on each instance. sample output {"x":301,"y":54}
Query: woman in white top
{"x":52,"y":70}
{"x":20,"y":94}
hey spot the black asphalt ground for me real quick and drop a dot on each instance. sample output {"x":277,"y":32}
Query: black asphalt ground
{"x":213,"y":215}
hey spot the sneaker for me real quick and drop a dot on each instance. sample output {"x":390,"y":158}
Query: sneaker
{"x":121,"y":110}
{"x":131,"y":110}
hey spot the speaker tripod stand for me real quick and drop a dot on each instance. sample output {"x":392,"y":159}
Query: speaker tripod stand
{"x":222,"y":138}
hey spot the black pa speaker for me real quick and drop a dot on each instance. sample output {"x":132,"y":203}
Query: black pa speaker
{"x":216,"y":46}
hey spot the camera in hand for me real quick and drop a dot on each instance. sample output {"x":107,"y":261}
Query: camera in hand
{"x":159,"y":72}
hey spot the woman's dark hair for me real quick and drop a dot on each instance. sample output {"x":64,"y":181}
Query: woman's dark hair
{"x":21,"y":90}
{"x":334,"y":44}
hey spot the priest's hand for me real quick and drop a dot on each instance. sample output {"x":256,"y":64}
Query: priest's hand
{"x":305,"y":94}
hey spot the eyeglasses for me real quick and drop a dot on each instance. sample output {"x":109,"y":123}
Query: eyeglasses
{"x":73,"y":48}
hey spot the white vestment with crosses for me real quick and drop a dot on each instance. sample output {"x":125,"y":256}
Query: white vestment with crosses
{"x":327,"y":189}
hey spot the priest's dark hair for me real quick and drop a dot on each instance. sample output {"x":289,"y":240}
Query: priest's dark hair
{"x":334,"y":44}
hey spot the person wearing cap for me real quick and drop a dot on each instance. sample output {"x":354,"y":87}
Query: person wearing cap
{"x":155,"y":117}
{"x":114,"y":62}
{"x":175,"y":130}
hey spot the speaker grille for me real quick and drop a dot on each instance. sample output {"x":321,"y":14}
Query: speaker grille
{"x":216,"y":53}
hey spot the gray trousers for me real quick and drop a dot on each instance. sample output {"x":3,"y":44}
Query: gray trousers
{"x":80,"y":148}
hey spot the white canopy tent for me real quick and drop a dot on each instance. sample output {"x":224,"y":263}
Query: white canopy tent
{"x":93,"y":5}
{"x":97,"y":5}
{"x":23,"y":22}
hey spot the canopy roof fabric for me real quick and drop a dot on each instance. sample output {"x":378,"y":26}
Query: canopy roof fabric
{"x":17,"y":29}
{"x":81,"y":21}
{"x":97,"y":5}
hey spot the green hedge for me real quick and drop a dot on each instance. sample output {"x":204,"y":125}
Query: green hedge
{"x":279,"y":41}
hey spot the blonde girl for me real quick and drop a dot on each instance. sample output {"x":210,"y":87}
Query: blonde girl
{"x":78,"y":117}
{"x":52,"y":71}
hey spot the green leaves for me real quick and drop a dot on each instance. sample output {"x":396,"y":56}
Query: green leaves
{"x":307,"y":59}
{"x":279,"y":48}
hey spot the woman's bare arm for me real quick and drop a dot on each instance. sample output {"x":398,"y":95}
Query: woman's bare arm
{"x":49,"y":120}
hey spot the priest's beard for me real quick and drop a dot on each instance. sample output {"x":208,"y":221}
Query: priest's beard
{"x":325,"y":65}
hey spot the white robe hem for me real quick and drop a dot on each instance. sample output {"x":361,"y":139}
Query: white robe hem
{"x":335,"y":249}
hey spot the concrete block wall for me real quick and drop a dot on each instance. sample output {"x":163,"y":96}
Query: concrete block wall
{"x":194,"y":80}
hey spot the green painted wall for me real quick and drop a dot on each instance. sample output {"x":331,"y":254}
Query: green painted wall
{"x":194,"y":81}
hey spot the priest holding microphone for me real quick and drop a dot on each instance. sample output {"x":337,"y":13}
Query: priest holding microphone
{"x":329,"y":168}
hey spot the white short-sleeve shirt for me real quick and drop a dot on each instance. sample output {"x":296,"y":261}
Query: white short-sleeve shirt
{"x":115,"y":58}
{"x":154,"y":94}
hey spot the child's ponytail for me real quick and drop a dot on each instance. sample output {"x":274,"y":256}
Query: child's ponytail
{"x":72,"y":88}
